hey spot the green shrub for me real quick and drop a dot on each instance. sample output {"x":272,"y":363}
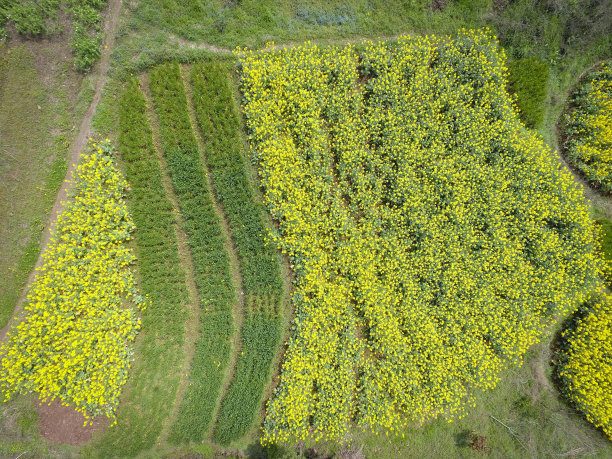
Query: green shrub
{"x":32,"y":17}
{"x":528,"y":79}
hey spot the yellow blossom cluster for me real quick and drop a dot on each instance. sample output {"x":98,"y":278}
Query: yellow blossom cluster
{"x":586,"y":364}
{"x":434,"y":238}
{"x":588,"y":143}
{"x":72,"y":342}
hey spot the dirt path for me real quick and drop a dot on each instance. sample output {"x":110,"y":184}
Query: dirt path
{"x":101,"y":69}
{"x":323,"y":42}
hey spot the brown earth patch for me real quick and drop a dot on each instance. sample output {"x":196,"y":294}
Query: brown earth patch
{"x":62,"y":424}
{"x":438,"y":5}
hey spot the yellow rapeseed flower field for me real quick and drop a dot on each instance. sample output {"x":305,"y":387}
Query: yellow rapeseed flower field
{"x":586,"y":365}
{"x":434,"y":237}
{"x":588,"y":143}
{"x":72,"y":342}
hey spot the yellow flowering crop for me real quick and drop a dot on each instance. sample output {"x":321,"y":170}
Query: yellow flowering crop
{"x":434,"y":238}
{"x":588,"y":129}
{"x":72,"y":342}
{"x":585,"y":366}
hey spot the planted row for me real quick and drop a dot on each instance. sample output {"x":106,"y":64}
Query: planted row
{"x":260,"y":339}
{"x":152,"y":387}
{"x":220,"y":126}
{"x":206,"y":242}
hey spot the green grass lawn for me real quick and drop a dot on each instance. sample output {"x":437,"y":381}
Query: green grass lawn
{"x":39,"y":105}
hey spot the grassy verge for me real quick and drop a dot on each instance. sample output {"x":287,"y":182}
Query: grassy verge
{"x":219,"y":126}
{"x":32,"y":164}
{"x":151,"y":389}
{"x":523,"y":417}
{"x":211,"y":261}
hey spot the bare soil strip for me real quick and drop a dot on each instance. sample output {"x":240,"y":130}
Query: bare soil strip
{"x":79,"y":144}
{"x":193,"y":306}
{"x":239,"y":307}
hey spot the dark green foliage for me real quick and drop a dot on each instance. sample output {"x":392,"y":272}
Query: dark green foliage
{"x":528,"y":79}
{"x":39,"y":17}
{"x":553,"y":28}
{"x":152,"y":385}
{"x":87,"y":34}
{"x":30,"y":17}
{"x":211,"y":262}
{"x":219,"y":125}
{"x":259,"y":344}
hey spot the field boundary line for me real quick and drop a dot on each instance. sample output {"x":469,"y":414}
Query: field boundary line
{"x":193,"y":307}
{"x":183,"y":43}
{"x":78,"y":145}
{"x":239,"y":309}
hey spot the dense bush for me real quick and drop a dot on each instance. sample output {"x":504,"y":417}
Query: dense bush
{"x":528,"y":79}
{"x":584,"y":361}
{"x":434,"y":238}
{"x":588,"y":128}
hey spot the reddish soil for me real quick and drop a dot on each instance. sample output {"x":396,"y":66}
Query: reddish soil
{"x":62,"y":424}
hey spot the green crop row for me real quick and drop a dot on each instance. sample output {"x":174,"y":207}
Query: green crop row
{"x":261,"y":335}
{"x":220,"y":127}
{"x":151,"y":388}
{"x":211,"y":261}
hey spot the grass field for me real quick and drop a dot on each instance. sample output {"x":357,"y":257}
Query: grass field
{"x":209,"y":353}
{"x":39,"y":105}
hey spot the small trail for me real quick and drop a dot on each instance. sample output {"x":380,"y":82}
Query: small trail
{"x":193,"y":307}
{"x":79,"y":144}
{"x":240,"y":305}
{"x":266,"y":49}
